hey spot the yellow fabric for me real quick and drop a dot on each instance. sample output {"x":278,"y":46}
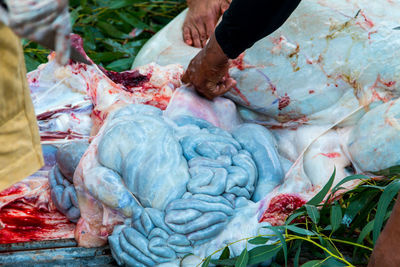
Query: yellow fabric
{"x":20,"y":150}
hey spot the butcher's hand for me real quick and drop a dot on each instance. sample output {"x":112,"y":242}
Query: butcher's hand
{"x":46,"y":22}
{"x":208,"y":71}
{"x":201,"y":19}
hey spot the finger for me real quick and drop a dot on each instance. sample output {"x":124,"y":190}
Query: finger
{"x":210,"y":26}
{"x":224,"y":6}
{"x":185,"y":77}
{"x":187,"y":37}
{"x":202,"y":29}
{"x":230,"y":83}
{"x":195,"y":37}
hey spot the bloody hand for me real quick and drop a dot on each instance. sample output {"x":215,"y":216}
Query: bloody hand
{"x":208,"y":71}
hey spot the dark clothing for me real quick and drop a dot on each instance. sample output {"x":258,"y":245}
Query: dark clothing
{"x":247,"y":21}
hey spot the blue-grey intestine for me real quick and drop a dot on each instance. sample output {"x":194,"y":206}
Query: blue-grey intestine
{"x":179,"y":182}
{"x":62,"y":190}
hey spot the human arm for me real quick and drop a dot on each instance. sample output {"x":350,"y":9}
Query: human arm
{"x":234,"y":35}
{"x":43,"y":21}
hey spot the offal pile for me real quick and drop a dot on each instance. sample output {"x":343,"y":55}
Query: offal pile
{"x":140,"y":161}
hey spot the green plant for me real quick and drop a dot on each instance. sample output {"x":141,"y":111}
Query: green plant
{"x":328,"y":230}
{"x":113,"y":31}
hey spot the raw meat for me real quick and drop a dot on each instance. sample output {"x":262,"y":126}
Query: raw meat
{"x":72,"y":102}
{"x":325,"y":86}
{"x":27,"y":212}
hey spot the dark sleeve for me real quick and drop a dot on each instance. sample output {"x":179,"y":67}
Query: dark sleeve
{"x":247,"y":21}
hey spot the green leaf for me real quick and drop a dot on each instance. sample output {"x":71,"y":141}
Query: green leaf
{"x":31,"y":63}
{"x":133,"y":21}
{"x":106,"y":56}
{"x":292,"y":217}
{"x":336,"y":217}
{"x":389,"y":172}
{"x":74,"y":15}
{"x":357,"y":203}
{"x":116,"y":4}
{"x":349,"y":178}
{"x":90,"y":42}
{"x":365,"y":231}
{"x":259,"y":240}
{"x":282,"y":239}
{"x":318,"y":198}
{"x":299,"y":230}
{"x":387,"y":196}
{"x":263,"y":253}
{"x":225,"y":254}
{"x":297,"y":256}
{"x":226,"y":262}
{"x":313,"y":263}
{"x":243,"y":259}
{"x":111,"y":30}
{"x":121,"y":64}
{"x":368,"y":228}
{"x":206,"y":262}
{"x":331,"y":262}
{"x":313,"y":213}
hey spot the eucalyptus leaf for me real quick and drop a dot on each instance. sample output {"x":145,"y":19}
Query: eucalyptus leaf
{"x":313,"y":263}
{"x":297,"y":256}
{"x":259,"y":240}
{"x":387,"y":196}
{"x":225,"y":254}
{"x":206,"y":262}
{"x":392,"y":171}
{"x":31,"y":63}
{"x":348,"y":179}
{"x":336,"y":217}
{"x":282,"y":239}
{"x":313,"y":213}
{"x":226,"y":262}
{"x":243,"y":259}
{"x":294,"y":216}
{"x":299,"y":230}
{"x":318,"y":198}
{"x":263,"y":253}
{"x":111,"y":30}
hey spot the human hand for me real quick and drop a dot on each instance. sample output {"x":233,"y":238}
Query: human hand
{"x":46,"y":22}
{"x":208,"y":71}
{"x":201,"y":19}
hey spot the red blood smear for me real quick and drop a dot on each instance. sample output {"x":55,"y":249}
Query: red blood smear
{"x":280,"y":208}
{"x":48,"y":114}
{"x":69,"y":134}
{"x":284,"y":101}
{"x":241,"y":95}
{"x":311,"y":92}
{"x":239,"y":63}
{"x":129,"y":79}
{"x":13,"y":190}
{"x":23,"y":222}
{"x":367,"y":20}
{"x":331,"y":155}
